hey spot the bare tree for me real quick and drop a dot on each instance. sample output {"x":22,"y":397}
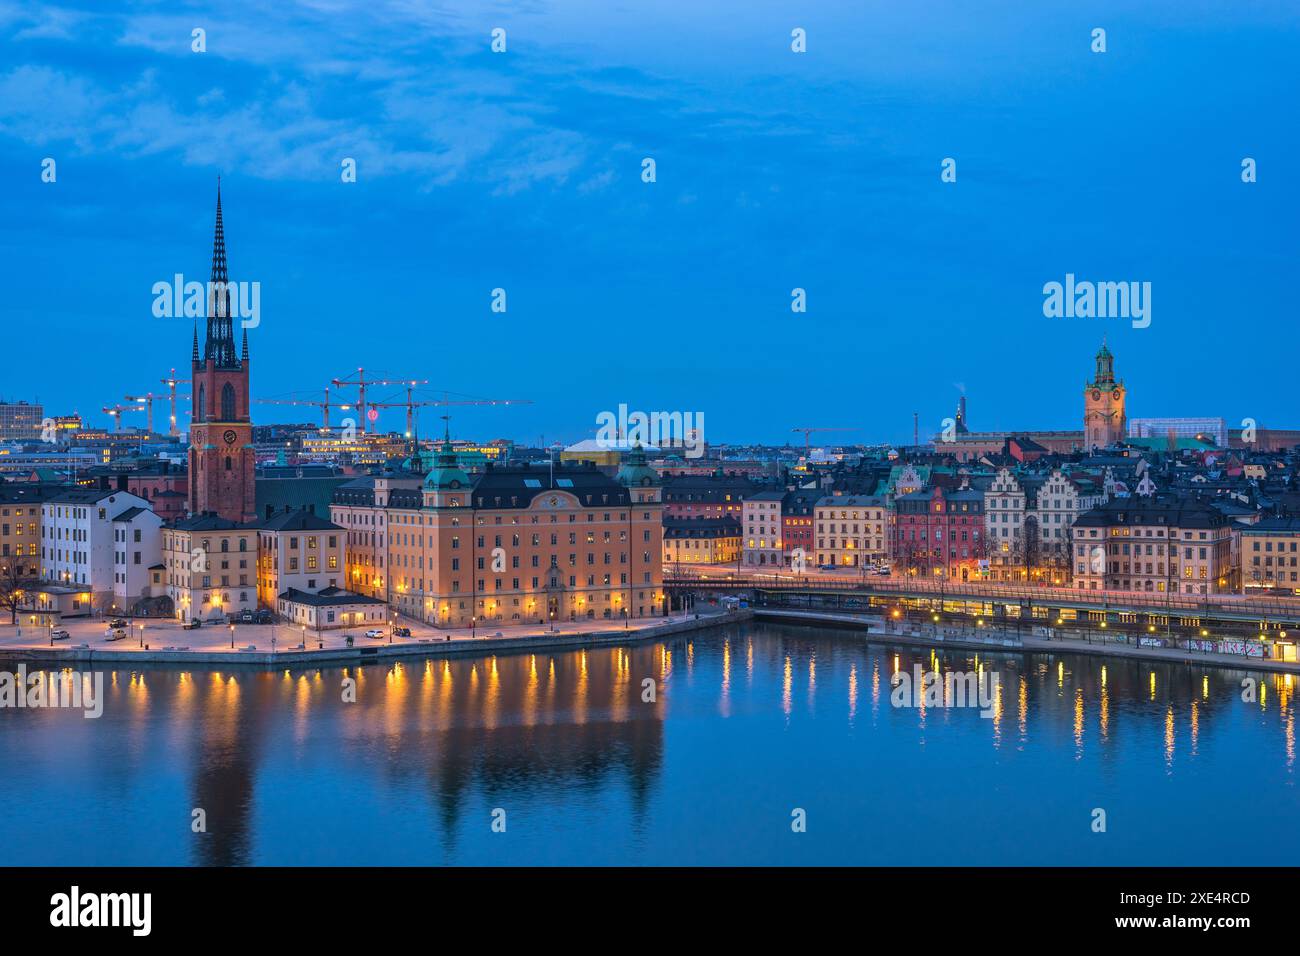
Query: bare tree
{"x":12,"y":587}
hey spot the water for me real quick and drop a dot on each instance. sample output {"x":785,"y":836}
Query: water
{"x":750,"y":723}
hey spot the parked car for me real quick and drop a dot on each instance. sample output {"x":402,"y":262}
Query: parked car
{"x":374,"y":632}
{"x":401,"y":632}
{"x":246,"y":616}
{"x":117,"y":622}
{"x":115,"y":634}
{"x":59,"y":634}
{"x":262,"y":616}
{"x":191,"y":624}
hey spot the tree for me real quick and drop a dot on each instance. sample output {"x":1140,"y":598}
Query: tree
{"x":11,"y":589}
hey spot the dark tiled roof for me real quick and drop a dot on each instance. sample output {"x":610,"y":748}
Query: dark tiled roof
{"x":298,"y":521}
{"x":209,"y":521}
{"x":1271,"y":526}
{"x":725,"y":527}
{"x":327,"y":597}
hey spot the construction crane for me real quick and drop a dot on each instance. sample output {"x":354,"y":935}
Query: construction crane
{"x":411,"y":404}
{"x":807,"y":432}
{"x":324,"y":406}
{"x":361,"y":383}
{"x":171,"y":382}
{"x":116,"y":412}
{"x":146,"y":400}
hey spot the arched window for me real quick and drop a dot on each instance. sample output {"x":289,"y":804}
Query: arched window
{"x":199,"y":414}
{"x":227,"y":403}
{"x":227,"y":463}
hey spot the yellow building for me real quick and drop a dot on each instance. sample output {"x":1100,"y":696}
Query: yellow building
{"x":850,"y":531}
{"x":1270,"y":555}
{"x":702,"y":540}
{"x":297,"y":550}
{"x":20,"y":528}
{"x":211,"y":566}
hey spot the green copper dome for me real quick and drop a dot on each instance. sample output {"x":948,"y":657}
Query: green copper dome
{"x":635,"y":471}
{"x":446,"y":472}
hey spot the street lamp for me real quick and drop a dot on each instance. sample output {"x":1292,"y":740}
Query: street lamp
{"x":232,"y":636}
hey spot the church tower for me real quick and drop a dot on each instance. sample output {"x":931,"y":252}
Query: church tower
{"x":221,"y":429}
{"x":1104,"y":421}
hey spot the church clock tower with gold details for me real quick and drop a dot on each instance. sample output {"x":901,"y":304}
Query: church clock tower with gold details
{"x":1104,"y":421}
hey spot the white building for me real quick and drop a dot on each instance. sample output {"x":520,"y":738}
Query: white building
{"x":761,"y":519}
{"x":1214,"y":428}
{"x":79,"y":540}
{"x":137,"y":556}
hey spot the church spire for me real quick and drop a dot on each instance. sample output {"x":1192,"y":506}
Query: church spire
{"x":195,"y":354}
{"x":219,"y":347}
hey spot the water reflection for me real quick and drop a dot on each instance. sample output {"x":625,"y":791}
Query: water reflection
{"x":287,"y":771}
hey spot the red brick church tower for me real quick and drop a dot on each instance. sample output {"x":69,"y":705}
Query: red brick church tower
{"x":221,"y":430}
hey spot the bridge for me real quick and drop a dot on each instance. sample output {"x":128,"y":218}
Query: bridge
{"x":1244,"y":615}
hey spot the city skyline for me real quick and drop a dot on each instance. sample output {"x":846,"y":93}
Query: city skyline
{"x":840,"y":197}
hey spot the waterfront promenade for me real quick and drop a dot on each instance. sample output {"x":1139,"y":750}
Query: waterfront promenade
{"x":165,"y":641}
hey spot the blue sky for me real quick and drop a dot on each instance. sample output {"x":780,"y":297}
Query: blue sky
{"x":775,"y":170}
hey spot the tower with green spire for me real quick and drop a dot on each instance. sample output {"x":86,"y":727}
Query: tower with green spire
{"x":446,"y":485}
{"x":1104,"y":421}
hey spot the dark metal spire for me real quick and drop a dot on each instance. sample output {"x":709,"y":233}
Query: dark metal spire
{"x":220,"y":345}
{"x":195,"y":354}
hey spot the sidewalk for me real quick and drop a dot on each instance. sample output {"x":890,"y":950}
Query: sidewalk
{"x":147,"y":637}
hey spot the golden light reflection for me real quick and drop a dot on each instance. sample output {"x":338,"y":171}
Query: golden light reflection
{"x":726,"y":679}
{"x":787,"y":683}
{"x":1196,"y":725}
{"x":1078,"y":723}
{"x":1169,"y":735}
{"x":853,"y":691}
{"x":1022,"y":708}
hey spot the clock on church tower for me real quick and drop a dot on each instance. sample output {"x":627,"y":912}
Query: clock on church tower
{"x":1104,"y":421}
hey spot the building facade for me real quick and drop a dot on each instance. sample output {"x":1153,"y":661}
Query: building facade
{"x":210,"y":563}
{"x":940,"y":534}
{"x":515,"y":544}
{"x":761,"y":519}
{"x":702,"y":540}
{"x":79,"y":539}
{"x":300,"y":551}
{"x":1270,"y":555}
{"x":1155,"y":546}
{"x":851,"y":531}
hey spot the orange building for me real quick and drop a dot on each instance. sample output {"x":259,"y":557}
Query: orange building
{"x":514,"y":544}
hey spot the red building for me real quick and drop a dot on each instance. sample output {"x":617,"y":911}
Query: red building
{"x":221,"y":460}
{"x":164,"y":490}
{"x":797,"y":515}
{"x":715,"y":495}
{"x":940,"y":534}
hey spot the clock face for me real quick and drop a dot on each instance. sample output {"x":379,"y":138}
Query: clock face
{"x":1096,"y":394}
{"x":1115,"y":394}
{"x":230,"y":436}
